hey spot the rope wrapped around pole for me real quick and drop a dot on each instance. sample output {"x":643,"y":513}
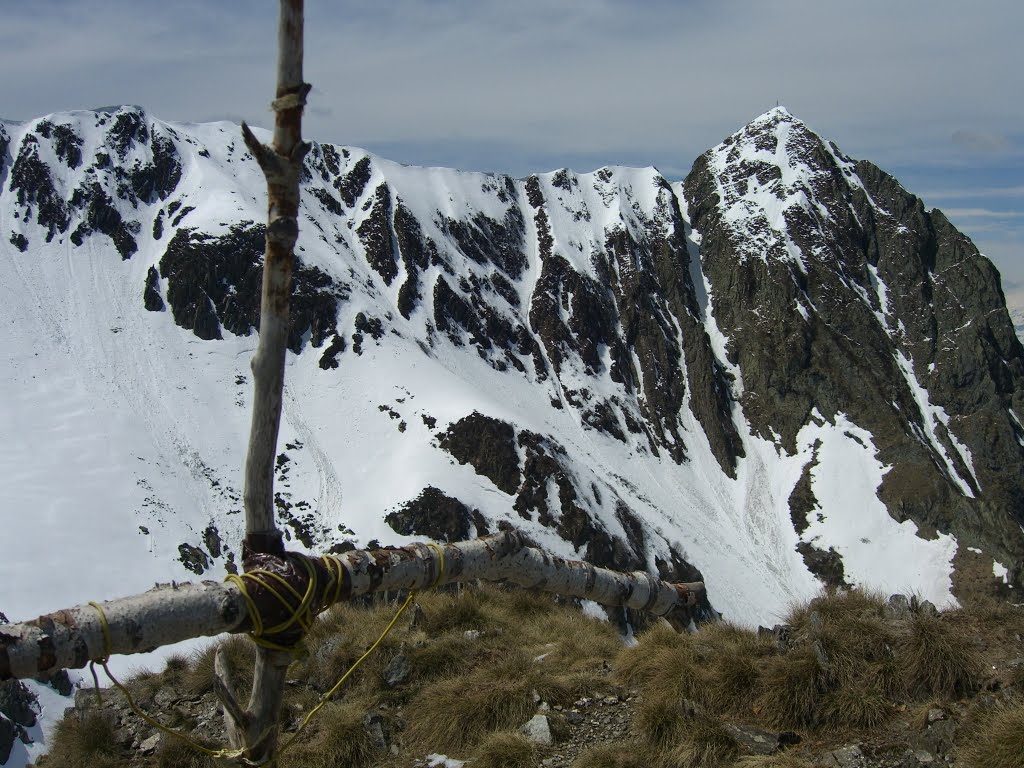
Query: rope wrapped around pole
{"x":171,"y":613}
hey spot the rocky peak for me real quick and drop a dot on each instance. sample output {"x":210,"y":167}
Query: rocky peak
{"x":81,"y":173}
{"x":652,"y":375}
{"x":839,"y":294}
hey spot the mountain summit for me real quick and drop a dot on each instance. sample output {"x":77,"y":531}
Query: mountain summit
{"x":780,"y":372}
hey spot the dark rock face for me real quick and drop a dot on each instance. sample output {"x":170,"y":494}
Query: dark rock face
{"x":350,"y":186}
{"x":465,"y":313}
{"x":17,"y":703}
{"x":65,"y":141}
{"x":868,"y":278}
{"x":655,"y":294}
{"x":571,"y":519}
{"x":489,"y":445}
{"x":151,"y":297}
{"x":5,"y":155}
{"x":375,"y":235}
{"x":416,"y":256}
{"x":8,"y":733}
{"x":193,"y":558}
{"x":827,"y":566}
{"x":158,"y":179}
{"x":493,"y":447}
{"x":100,"y":215}
{"x":439,"y":516}
{"x":636,"y":320}
{"x":35,"y":190}
{"x":214,"y":282}
{"x":485,"y":240}
{"x":802,"y":500}
{"x":94,"y":204}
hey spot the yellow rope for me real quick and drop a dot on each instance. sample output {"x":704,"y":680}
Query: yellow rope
{"x":441,"y":566}
{"x":326,"y":697}
{"x":302,"y":614}
{"x":215,"y":753}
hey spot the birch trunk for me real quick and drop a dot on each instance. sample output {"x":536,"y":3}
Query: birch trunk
{"x":172,"y":613}
{"x":281,"y":163}
{"x":282,"y":166}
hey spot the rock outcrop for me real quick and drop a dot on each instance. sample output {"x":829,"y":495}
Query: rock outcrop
{"x":650,"y":375}
{"x":839,"y":293}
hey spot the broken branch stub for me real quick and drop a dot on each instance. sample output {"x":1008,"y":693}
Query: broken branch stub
{"x":170,"y":614}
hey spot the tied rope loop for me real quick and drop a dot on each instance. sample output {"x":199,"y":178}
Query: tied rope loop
{"x":106,"y":652}
{"x":331,"y":563}
{"x":102,"y":661}
{"x":337,"y":571}
{"x":327,"y":696}
{"x":440,"y":562}
{"x":302,"y":608}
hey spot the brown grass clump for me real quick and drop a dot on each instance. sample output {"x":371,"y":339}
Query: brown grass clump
{"x":858,"y":705}
{"x":705,"y":744}
{"x":997,"y":739}
{"x":620,"y":754}
{"x":442,"y":657}
{"x":838,"y":607}
{"x":343,"y":634}
{"x":240,"y":652}
{"x":664,"y":665}
{"x":505,"y":750}
{"x":336,"y":737}
{"x":850,"y":630}
{"x":731,"y":661}
{"x":455,"y":611}
{"x":84,"y":740}
{"x":782,"y":760}
{"x":994,"y":615}
{"x":937,"y":659}
{"x":794,"y":689}
{"x":453,"y":713}
{"x":659,"y":721}
{"x":175,"y":753}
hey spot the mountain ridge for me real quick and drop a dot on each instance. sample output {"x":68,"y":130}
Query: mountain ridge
{"x":633,"y":414}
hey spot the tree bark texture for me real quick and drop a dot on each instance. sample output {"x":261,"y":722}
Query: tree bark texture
{"x":172,"y":613}
{"x":281,"y":164}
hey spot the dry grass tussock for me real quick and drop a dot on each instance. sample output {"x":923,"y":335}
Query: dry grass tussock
{"x":783,"y":760}
{"x":459,"y":675}
{"x":85,"y":741}
{"x":335,"y":738}
{"x":464,"y":672}
{"x":505,"y":750}
{"x":995,"y":738}
{"x":621,"y":754}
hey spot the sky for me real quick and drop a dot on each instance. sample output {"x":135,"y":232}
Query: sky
{"x":927,"y":89}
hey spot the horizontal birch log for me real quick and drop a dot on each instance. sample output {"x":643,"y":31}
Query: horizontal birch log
{"x":171,"y":613}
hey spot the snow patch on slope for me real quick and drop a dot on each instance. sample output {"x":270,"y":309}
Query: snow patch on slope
{"x":124,"y":421}
{"x":878,"y":553}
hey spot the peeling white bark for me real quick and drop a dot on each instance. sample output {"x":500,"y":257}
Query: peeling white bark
{"x":170,"y":614}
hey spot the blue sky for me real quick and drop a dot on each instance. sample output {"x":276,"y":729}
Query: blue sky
{"x":927,"y":89}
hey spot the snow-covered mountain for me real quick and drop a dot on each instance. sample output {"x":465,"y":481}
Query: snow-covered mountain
{"x":1017,"y":318}
{"x":781,"y":371}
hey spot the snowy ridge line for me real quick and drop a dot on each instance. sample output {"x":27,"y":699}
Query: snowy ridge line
{"x":361,"y":440}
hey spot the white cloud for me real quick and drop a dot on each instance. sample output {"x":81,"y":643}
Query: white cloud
{"x":980,"y":141}
{"x":981,"y":213}
{"x":577,"y":76}
{"x":973,"y":193}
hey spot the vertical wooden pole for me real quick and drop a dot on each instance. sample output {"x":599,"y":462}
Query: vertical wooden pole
{"x":282,"y":166}
{"x":255,"y":729}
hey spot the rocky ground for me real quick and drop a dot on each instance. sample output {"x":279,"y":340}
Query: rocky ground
{"x":655,"y":705}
